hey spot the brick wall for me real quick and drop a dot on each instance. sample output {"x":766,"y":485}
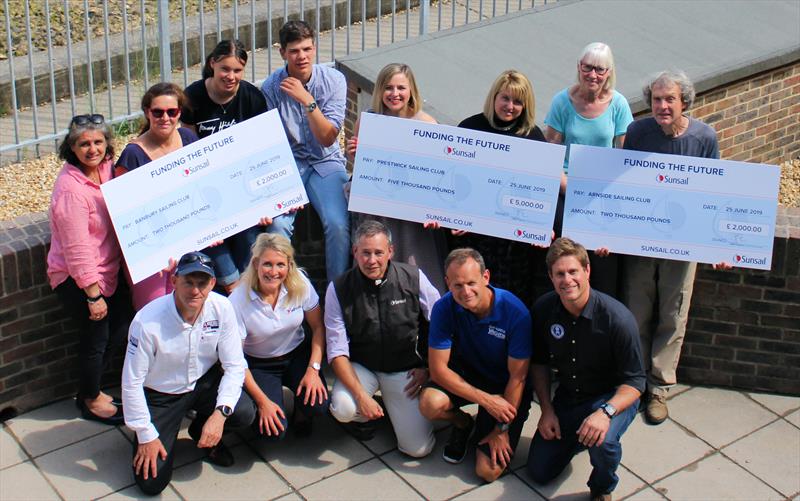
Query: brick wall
{"x":757,"y":119}
{"x":744,"y":325}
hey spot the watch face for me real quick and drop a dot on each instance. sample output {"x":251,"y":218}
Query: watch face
{"x":316,"y":366}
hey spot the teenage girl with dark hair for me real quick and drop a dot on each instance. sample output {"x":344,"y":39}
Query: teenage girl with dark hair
{"x":217,"y":101}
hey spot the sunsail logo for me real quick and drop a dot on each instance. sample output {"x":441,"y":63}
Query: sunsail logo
{"x":455,"y":152}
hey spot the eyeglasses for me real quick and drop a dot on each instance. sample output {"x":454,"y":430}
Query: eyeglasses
{"x":171,"y":112}
{"x":81,"y":120}
{"x":587,"y":68}
{"x":195,"y":256}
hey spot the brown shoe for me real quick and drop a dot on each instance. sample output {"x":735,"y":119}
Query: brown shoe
{"x":656,"y":411}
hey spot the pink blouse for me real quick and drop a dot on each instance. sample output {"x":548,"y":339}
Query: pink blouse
{"x":82,"y":243}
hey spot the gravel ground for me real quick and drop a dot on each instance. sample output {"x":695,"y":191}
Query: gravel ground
{"x":77,"y":16}
{"x":25,"y":187}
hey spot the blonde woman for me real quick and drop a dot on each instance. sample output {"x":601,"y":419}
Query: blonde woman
{"x":271,"y":302}
{"x":396,"y":95}
{"x":510,"y":110}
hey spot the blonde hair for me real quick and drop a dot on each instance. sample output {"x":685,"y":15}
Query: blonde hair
{"x":599,"y":54}
{"x":294,"y":283}
{"x":519,"y":87}
{"x":414,"y":100}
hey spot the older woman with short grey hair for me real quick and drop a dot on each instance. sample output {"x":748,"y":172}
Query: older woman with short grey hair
{"x":84,"y":260}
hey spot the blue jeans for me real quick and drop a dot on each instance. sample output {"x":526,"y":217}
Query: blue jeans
{"x":232,"y":256}
{"x":548,"y":458}
{"x":327,"y":198}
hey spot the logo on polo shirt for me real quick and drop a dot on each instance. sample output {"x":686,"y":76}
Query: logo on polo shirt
{"x":210,"y":325}
{"x":497,"y":332}
{"x":557,"y":331}
{"x":395,"y":302}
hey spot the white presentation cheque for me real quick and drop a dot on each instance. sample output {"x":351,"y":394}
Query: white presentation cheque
{"x":484,"y":183}
{"x":204,"y":192}
{"x":671,"y":206}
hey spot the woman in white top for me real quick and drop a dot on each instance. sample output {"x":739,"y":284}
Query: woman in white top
{"x":271,"y":303}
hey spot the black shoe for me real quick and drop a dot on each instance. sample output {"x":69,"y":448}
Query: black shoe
{"x":456,"y":448}
{"x":220,"y":455}
{"x":362,"y":431}
{"x":117,"y":419}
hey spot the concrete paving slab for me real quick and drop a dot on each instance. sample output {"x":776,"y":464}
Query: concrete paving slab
{"x":715,"y":478}
{"x":367,"y":481}
{"x":305,"y":461}
{"x":249,"y":478}
{"x":385,"y":439}
{"x":771,"y":454}
{"x":451,"y":479}
{"x":674,"y":446}
{"x":24,"y":481}
{"x":290,"y":497}
{"x":794,"y":418}
{"x":51,"y":427}
{"x":11,"y":452}
{"x":133,"y":492}
{"x":779,"y":404}
{"x":704,"y":410}
{"x":91,"y":468}
{"x":646,"y":494}
{"x":506,"y":487}
{"x":677,"y":390}
{"x":520,"y":458}
{"x":571,"y":484}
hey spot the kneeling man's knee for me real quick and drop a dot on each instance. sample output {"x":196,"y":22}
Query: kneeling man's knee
{"x":342,"y":406}
{"x":433,"y":403}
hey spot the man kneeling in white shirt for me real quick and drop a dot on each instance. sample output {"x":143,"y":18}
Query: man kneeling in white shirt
{"x":171,"y":367}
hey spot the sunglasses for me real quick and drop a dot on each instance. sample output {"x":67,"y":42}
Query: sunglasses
{"x":195,"y":256}
{"x":171,"y":112}
{"x":587,"y":68}
{"x":81,"y":120}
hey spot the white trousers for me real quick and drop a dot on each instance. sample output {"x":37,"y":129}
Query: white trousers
{"x":414,"y":432}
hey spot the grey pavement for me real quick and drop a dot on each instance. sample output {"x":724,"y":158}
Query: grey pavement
{"x":717,"y":444}
{"x":124,"y":99}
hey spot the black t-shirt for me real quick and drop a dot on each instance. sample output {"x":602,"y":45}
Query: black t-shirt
{"x":593,"y":353}
{"x":209,"y":117}
{"x":479,"y":122}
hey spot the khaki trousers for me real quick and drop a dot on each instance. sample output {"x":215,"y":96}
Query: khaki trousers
{"x":658,"y":292}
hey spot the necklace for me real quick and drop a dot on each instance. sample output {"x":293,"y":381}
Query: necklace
{"x":224,"y":109}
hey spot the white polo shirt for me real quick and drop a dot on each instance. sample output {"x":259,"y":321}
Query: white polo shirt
{"x":271,"y":332}
{"x":168,"y":355}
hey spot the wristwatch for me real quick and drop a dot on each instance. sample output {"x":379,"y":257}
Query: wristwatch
{"x":315,"y":366}
{"x":225,"y":410}
{"x":502,"y":426}
{"x":310,"y":107}
{"x":608,"y":409}
{"x":92,"y":300}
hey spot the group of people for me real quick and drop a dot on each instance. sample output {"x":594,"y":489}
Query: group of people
{"x":431,"y":330}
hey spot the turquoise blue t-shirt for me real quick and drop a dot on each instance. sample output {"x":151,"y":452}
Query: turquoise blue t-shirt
{"x":598,"y":131}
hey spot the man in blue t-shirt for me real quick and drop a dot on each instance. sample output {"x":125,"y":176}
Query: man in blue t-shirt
{"x":479,"y":351}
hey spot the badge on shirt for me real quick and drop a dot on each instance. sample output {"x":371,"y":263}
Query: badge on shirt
{"x":210,"y":325}
{"x":497,"y":332}
{"x":395,"y":302}
{"x":557,"y":331}
{"x":133,"y":345}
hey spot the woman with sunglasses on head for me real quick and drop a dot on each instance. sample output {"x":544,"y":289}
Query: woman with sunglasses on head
{"x":272,"y":301}
{"x":591,"y":112}
{"x":159,"y":136}
{"x":217,"y":101}
{"x":396,"y":95}
{"x":84,"y":260}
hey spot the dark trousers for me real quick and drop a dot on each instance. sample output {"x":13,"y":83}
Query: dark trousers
{"x":548,"y":458}
{"x":167,"y":411}
{"x":272,"y":375}
{"x":98,"y":339}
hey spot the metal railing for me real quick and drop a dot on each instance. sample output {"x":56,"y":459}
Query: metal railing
{"x":111,"y":51}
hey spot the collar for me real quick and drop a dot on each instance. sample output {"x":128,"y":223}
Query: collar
{"x":588,"y":309}
{"x":256,"y":298}
{"x":77,"y":174}
{"x":493,"y":316}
